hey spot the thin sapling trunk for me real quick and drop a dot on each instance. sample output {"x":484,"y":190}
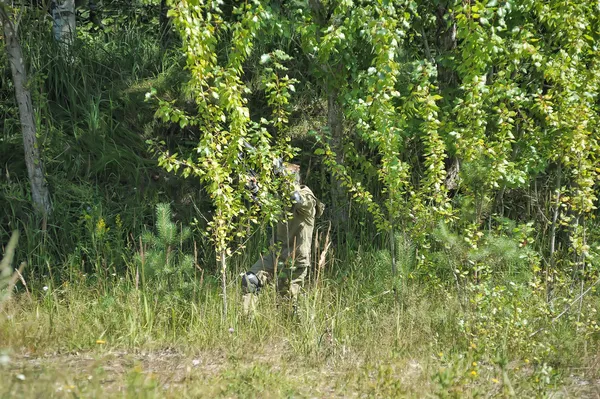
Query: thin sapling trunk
{"x":35,"y":166}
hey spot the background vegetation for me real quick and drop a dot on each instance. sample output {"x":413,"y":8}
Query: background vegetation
{"x":455,"y":144}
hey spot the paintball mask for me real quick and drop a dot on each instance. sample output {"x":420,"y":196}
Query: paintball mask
{"x":280,"y":169}
{"x":287,"y":169}
{"x":252,"y":185}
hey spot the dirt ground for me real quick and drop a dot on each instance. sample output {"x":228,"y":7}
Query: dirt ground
{"x":168,"y":373}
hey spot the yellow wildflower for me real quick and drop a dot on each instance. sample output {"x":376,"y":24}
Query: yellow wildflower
{"x":100,"y":341}
{"x":473,"y":373}
{"x":100,"y":226}
{"x":495,"y":380}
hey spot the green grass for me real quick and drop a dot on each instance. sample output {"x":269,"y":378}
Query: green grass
{"x":92,"y":338}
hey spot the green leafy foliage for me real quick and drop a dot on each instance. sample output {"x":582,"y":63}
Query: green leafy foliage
{"x":223,"y":115}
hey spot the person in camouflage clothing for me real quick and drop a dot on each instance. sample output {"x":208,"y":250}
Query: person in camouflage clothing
{"x":293,"y":240}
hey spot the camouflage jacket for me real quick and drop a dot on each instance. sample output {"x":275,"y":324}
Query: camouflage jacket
{"x":295,"y":234}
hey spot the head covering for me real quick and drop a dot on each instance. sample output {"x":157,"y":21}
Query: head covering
{"x":293,"y":170}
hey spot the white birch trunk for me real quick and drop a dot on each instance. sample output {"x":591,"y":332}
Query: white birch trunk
{"x":35,"y":167}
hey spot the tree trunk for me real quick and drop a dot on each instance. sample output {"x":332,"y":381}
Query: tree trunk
{"x":35,"y":167}
{"x":165,"y":26}
{"x":224,"y":283}
{"x":452,"y":175}
{"x":393,"y":253}
{"x":63,"y":16}
{"x":95,"y":14}
{"x":446,"y":43}
{"x":335,"y":122}
{"x":321,"y":12}
{"x":551,"y":266}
